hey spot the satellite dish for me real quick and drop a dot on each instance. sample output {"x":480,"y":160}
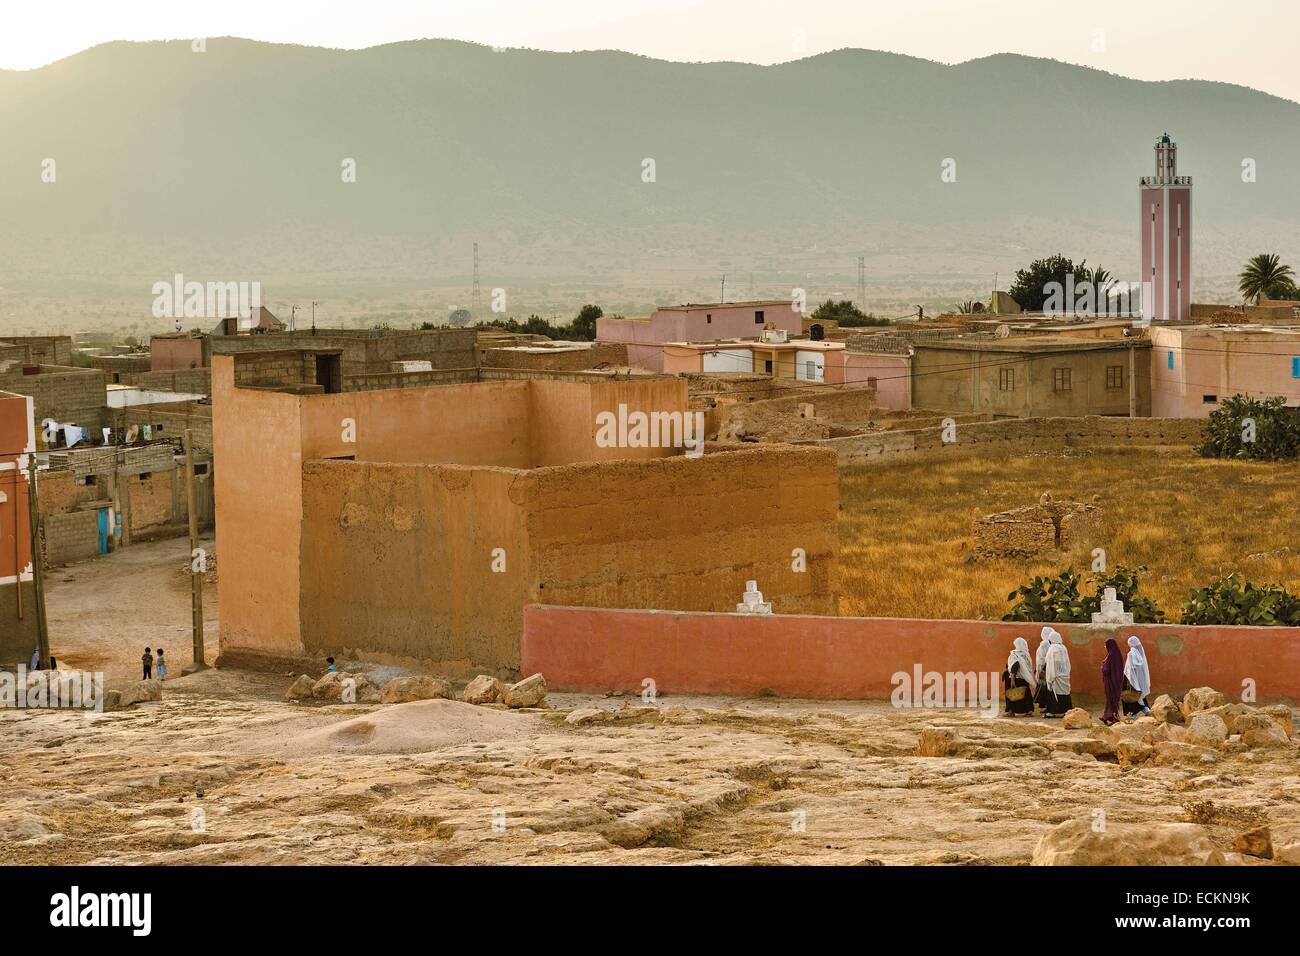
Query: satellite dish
{"x":459,"y":318}
{"x":1002,"y":332}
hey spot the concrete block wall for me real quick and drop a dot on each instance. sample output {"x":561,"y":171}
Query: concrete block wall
{"x":70,"y":537}
{"x":195,"y":381}
{"x":365,"y":352}
{"x":65,"y":394}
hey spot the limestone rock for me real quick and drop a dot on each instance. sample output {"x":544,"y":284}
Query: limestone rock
{"x":140,"y":690}
{"x":1270,"y":735}
{"x":639,"y":826}
{"x":1257,"y":842}
{"x":1289,"y":854}
{"x":300,"y":689}
{"x":1201,"y":698}
{"x":1208,"y":730}
{"x":1133,"y":752}
{"x":587,"y":715}
{"x":529,"y":692}
{"x":1171,"y":752}
{"x":329,"y":687}
{"x":1090,"y":746}
{"x":1076,"y":719}
{"x":935,"y":742}
{"x":1166,"y":710}
{"x":112,"y":700}
{"x":484,"y":690}
{"x":1282,"y":714}
{"x":1074,"y":843}
{"x":401,"y":690}
{"x":639,"y":715}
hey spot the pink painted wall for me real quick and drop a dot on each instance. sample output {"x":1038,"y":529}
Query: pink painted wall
{"x":893,"y":375}
{"x":588,"y":649}
{"x":1219,"y":362}
{"x":644,"y":337}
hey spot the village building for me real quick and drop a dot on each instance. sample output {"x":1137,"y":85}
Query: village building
{"x":1051,"y":376}
{"x":416,"y":523}
{"x":1194,"y":368}
{"x":645,"y":338}
{"x":18,"y":615}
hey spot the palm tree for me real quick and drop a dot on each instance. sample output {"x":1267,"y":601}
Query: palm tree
{"x":1265,"y":278}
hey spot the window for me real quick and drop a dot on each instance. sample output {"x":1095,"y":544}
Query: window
{"x":758,"y":318}
{"x":146,"y":475}
{"x":1169,"y":359}
{"x":1209,"y":399}
{"x":1060,"y":380}
{"x":1114,"y":376}
{"x":767,"y":366}
{"x":1006,"y":380}
{"x":1295,"y":366}
{"x":708,"y":318}
{"x":872,"y":383}
{"x":810,"y":370}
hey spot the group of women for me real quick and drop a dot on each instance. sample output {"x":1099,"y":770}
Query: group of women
{"x":1043,"y":683}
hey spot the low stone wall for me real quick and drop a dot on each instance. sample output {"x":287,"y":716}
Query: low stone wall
{"x":597,"y":650}
{"x":1012,"y":434}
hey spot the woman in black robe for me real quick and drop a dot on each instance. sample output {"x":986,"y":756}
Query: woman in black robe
{"x":1018,"y":681}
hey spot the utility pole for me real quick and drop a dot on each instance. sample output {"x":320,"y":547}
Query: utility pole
{"x":196,"y":575}
{"x":293,"y":318}
{"x":862,"y":283}
{"x":38,"y":573}
{"x":723,"y":297}
{"x":313,"y":317}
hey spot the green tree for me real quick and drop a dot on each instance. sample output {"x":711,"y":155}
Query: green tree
{"x":1032,"y":285}
{"x":1265,"y":277}
{"x":584,"y":326}
{"x":845,"y":313}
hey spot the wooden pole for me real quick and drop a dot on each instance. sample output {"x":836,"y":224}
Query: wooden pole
{"x":196,"y":573}
{"x":1132,"y":382}
{"x":38,"y":573}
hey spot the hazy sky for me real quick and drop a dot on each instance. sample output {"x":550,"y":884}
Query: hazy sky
{"x":1251,"y":42}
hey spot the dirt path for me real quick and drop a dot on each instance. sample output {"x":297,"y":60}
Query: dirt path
{"x":105,"y":611}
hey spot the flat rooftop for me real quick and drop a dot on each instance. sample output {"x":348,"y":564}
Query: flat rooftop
{"x":1044,"y":343}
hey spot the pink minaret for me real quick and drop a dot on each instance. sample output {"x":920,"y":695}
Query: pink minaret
{"x":1166,"y":226}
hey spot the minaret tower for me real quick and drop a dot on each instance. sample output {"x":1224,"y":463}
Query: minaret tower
{"x":1165,"y":221}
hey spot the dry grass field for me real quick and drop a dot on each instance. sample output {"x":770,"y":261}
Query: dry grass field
{"x":905,"y":529}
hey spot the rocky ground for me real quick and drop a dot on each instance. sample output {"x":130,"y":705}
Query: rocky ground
{"x":224,"y":769}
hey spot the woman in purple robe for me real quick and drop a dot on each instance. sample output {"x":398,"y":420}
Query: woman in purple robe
{"x":1112,"y":679}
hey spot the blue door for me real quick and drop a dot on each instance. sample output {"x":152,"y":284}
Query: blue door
{"x":103,"y":531}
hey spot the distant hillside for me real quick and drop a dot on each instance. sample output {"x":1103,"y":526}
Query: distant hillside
{"x":173,"y":159}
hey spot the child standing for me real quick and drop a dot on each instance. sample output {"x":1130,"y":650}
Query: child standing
{"x":146,"y":659}
{"x":162,"y":665}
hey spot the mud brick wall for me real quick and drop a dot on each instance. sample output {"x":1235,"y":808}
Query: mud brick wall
{"x":365,"y":353}
{"x":559,"y":360}
{"x":397,"y":559}
{"x":683,"y":534}
{"x":1011,"y":435}
{"x":70,"y":537}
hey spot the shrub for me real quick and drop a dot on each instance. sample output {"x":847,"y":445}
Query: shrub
{"x":1057,"y":599}
{"x":1229,"y":601}
{"x":1276,"y":430}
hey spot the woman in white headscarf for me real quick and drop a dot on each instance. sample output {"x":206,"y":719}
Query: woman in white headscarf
{"x":1040,"y":667}
{"x":1058,"y":677}
{"x":1137,"y":679}
{"x":1019,"y":682}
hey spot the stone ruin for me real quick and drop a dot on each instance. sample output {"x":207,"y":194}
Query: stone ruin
{"x":1044,"y":530}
